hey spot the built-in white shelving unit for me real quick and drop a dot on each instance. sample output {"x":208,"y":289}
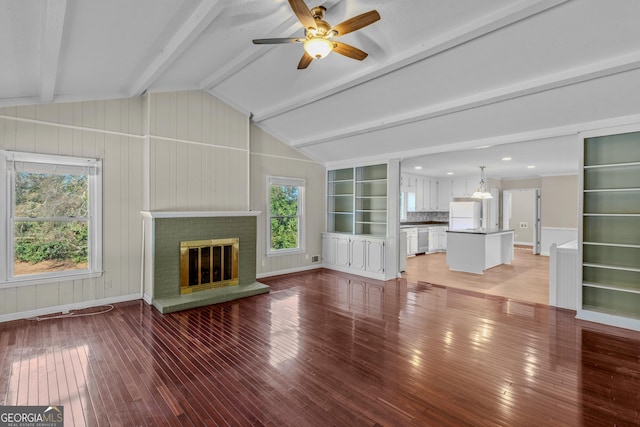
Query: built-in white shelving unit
{"x":610,"y":232}
{"x":357,"y":200}
{"x":362,"y":220}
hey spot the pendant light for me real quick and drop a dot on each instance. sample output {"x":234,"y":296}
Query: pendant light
{"x":481,"y":191}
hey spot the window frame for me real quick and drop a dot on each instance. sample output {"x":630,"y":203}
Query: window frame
{"x":94,"y":219}
{"x":301,"y":184}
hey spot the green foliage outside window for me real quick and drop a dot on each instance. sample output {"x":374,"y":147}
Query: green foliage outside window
{"x":284,"y":217}
{"x":47,"y":198}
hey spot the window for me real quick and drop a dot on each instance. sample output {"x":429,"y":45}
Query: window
{"x":285,"y":219}
{"x":53,"y":216}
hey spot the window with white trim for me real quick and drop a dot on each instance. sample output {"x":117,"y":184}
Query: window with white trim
{"x":285,"y":218}
{"x":53,"y":216}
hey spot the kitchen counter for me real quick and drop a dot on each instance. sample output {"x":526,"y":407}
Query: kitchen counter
{"x":482,"y":231}
{"x":420,"y":223}
{"x":474,"y":251}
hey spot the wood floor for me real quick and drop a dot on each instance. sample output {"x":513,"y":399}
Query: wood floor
{"x":525,"y":279}
{"x":326,"y":348}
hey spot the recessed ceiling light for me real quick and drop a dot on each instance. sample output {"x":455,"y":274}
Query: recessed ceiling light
{"x":449,"y":173}
{"x":531,"y":167}
{"x":417,"y":167}
{"x":506,"y":159}
{"x":483,"y":146}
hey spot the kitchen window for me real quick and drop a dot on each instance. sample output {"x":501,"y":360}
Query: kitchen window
{"x":53,"y":216}
{"x":285,"y":219}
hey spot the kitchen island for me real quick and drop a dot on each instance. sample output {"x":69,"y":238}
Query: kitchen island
{"x":476,"y":250}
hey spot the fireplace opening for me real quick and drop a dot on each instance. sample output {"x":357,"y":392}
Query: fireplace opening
{"x":207,"y":264}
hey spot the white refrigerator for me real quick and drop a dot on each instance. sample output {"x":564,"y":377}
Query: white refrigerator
{"x":465,"y":215}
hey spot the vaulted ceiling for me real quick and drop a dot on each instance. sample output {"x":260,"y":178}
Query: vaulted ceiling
{"x":440,"y":75}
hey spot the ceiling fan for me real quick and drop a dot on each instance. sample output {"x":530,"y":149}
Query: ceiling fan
{"x":318,"y":40}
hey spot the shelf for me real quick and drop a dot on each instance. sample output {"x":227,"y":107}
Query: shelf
{"x":340,"y":175}
{"x":621,"y":303}
{"x":612,"y":203}
{"x":612,"y":150}
{"x":611,"y":277}
{"x":611,"y":214}
{"x":610,"y":244}
{"x":613,"y":190}
{"x":611,"y":267}
{"x":612,"y":288}
{"x":623,"y":230}
{"x":612,"y":165}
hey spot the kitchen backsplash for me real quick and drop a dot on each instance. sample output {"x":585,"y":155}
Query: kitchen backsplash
{"x":427,"y":216}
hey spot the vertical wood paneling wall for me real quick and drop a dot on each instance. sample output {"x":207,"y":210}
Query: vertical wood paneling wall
{"x":198,"y":153}
{"x":271,"y":157}
{"x":166,"y":151}
{"x":110,"y":130}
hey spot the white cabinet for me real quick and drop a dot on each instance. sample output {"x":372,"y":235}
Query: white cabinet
{"x":427,"y":194}
{"x":374,"y":252}
{"x":355,"y":254}
{"x":342,"y":251}
{"x":464,"y":187}
{"x":445,"y":194}
{"x":421,"y":194}
{"x":358,"y":254}
{"x":437,"y":238}
{"x":412,"y":241}
{"x":328,"y":249}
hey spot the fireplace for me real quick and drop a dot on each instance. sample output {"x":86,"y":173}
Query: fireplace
{"x":217,"y":250}
{"x":208,"y":264}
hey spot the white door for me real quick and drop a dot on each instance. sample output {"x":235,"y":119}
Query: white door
{"x":506,"y":209}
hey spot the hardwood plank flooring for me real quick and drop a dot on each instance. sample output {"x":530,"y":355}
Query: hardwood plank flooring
{"x":327,"y":348}
{"x":525,"y":279}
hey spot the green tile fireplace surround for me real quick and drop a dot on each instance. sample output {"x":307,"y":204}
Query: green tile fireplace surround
{"x":163,"y":233}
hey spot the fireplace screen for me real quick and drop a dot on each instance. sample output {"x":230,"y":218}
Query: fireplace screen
{"x":206,"y":264}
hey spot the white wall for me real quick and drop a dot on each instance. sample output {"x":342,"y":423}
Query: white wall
{"x":523,"y":213}
{"x":167,"y":151}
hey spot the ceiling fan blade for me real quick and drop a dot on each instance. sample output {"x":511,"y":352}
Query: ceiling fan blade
{"x":355,"y":23}
{"x":349,"y":51}
{"x":303,"y":13}
{"x":277,"y":41}
{"x":305,"y":61}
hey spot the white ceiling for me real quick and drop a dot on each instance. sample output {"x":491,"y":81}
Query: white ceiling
{"x":440,"y":76}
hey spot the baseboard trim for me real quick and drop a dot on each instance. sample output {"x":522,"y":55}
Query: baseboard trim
{"x":67,"y":307}
{"x":288,"y":271}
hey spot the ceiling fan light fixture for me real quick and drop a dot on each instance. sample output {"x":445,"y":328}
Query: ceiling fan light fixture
{"x":318,"y":47}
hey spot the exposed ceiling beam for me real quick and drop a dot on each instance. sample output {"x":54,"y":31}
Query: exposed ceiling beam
{"x":568,"y":77}
{"x":50,"y":45}
{"x":464,"y":34}
{"x":199,"y":20}
{"x":286,"y":28}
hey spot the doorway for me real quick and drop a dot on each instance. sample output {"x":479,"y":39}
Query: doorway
{"x":521,"y":212}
